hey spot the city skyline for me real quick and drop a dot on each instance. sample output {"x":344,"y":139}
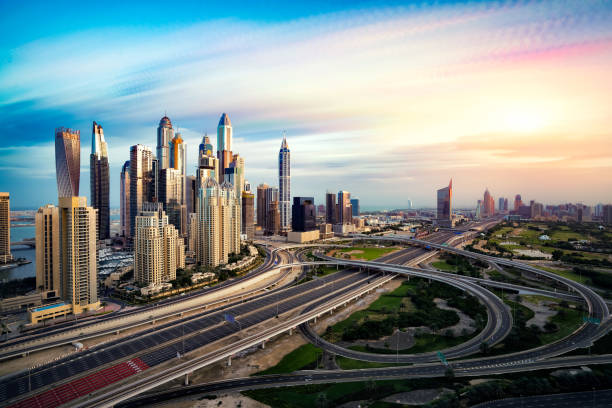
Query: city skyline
{"x":537,"y":126}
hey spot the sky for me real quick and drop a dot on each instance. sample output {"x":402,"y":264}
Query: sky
{"x":386,"y":100}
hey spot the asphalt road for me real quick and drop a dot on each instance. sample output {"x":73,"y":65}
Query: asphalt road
{"x":586,"y":399}
{"x":318,"y":377}
{"x":161,"y":344}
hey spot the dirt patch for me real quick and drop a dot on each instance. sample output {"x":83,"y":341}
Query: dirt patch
{"x":231,"y":400}
{"x":466,"y":324}
{"x":542,"y":311}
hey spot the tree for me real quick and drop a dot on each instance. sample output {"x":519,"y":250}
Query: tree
{"x":322,"y":400}
{"x":449,"y":373}
{"x":557,"y":254}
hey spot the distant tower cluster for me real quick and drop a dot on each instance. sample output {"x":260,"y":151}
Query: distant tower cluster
{"x":488,"y":204}
{"x":99,"y":180}
{"x":284,"y":183}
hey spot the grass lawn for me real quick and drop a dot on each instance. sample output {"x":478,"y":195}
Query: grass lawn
{"x":368,"y":253}
{"x":567,"y":274}
{"x":444,"y":266}
{"x":324,"y":270}
{"x":568,"y":323}
{"x":299,"y":358}
{"x":432,"y":342}
{"x":350,"y":364}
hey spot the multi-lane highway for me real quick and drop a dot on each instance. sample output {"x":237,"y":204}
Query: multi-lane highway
{"x":172,"y":340}
{"x":335,"y":376}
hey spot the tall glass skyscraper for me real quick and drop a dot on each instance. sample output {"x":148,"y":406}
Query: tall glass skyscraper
{"x":99,"y":181}
{"x":67,"y":161}
{"x":284,"y":184}
{"x":445,"y":207}
{"x":224,"y":145}
{"x":165,"y":134}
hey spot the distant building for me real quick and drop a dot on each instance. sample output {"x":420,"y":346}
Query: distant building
{"x":248,"y":212}
{"x":518,"y":202}
{"x":273,"y":219}
{"x":165,"y":134}
{"x":284,"y":184}
{"x":303,"y":214}
{"x":99,"y":180}
{"x":224,"y":145}
{"x":321,"y":210}
{"x":409,"y":204}
{"x":192,"y":237}
{"x":67,"y":161}
{"x":488,"y":204}
{"x":505,"y":205}
{"x":5,"y":228}
{"x":355,"y":206}
{"x":261,"y":204}
{"x":48,"y":249}
{"x":500,"y":205}
{"x":445,"y":206}
{"x":607,"y":214}
{"x":142,"y":188}
{"x":330,"y":208}
{"x":78,"y":254}
{"x":124,"y":200}
{"x":344,"y":211}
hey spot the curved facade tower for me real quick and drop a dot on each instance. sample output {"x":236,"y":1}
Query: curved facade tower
{"x":284,"y":185}
{"x":99,"y":181}
{"x":165,"y":134}
{"x":224,"y":144}
{"x":67,"y":161}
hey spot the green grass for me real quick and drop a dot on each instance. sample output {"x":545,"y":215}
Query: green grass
{"x":432,"y":342}
{"x":444,"y":266}
{"x":567,"y":322}
{"x":369,"y":254}
{"x":350,"y":364}
{"x":299,"y":358}
{"x":324,"y":270}
{"x":567,"y":274}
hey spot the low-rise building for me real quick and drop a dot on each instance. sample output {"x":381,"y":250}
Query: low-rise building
{"x":301,"y":237}
{"x":53,"y":311}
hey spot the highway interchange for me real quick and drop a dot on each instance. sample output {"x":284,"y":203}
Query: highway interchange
{"x":171,"y":341}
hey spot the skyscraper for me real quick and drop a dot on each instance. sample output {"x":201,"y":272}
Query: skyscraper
{"x":330,"y":208}
{"x":445,"y":206}
{"x":78,"y":254}
{"x":500,"y":204}
{"x":284,"y":185}
{"x":165,"y":134}
{"x":158,"y":248}
{"x":67,"y":161}
{"x":124,"y":202}
{"x":224,"y":145}
{"x":218,"y":223}
{"x":5,"y":228}
{"x":344,"y":209}
{"x":273,"y":219}
{"x":48,"y":249}
{"x":235,"y":174}
{"x":505,"y":205}
{"x":355,"y":206}
{"x":518,"y":202}
{"x":248,"y":209}
{"x":171,"y":184}
{"x":99,"y":180}
{"x":261,"y":204}
{"x":303,"y":217}
{"x":489,"y":204}
{"x":141,"y":178}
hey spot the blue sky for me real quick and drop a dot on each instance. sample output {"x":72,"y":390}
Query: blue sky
{"x":386,"y":100}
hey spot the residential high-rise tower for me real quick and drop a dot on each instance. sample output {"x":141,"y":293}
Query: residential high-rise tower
{"x":124,"y":200}
{"x":48,"y":249}
{"x":141,"y":181}
{"x":165,"y":133}
{"x":224,"y":145}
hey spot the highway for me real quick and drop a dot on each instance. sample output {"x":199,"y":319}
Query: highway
{"x":335,"y":376}
{"x":166,"y":344}
{"x":595,"y":399}
{"x":499,"y":324}
{"x":113,"y":323}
